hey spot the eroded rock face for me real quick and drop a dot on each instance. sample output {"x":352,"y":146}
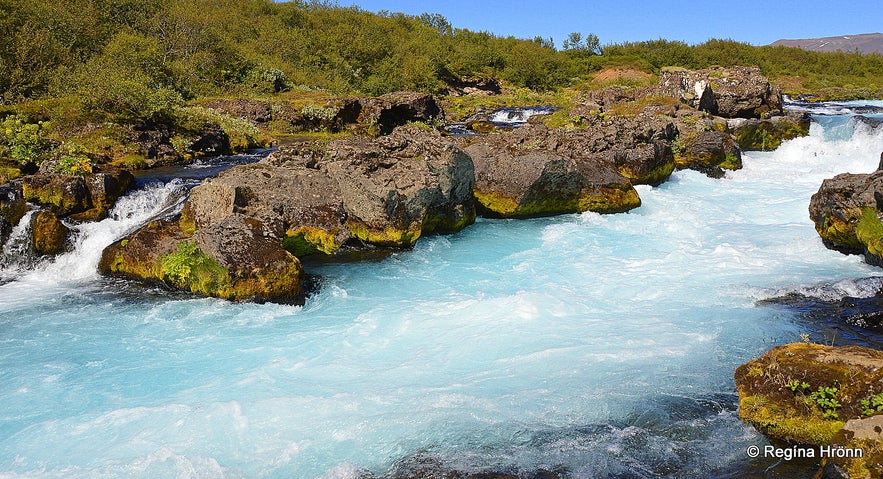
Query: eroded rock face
{"x":733,"y":92}
{"x":818,"y":395}
{"x":538,"y":172}
{"x":709,"y":152}
{"x":846,"y":212}
{"x":383,"y":114}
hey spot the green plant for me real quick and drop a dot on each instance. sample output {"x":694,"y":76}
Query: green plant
{"x":826,"y":399}
{"x":796,"y":385}
{"x":25,"y":142}
{"x":190,"y":268}
{"x":74,"y":161}
{"x":873,"y":405}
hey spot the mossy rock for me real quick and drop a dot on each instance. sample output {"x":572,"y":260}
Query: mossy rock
{"x":63,"y":194}
{"x":230,"y":261}
{"x":48,"y":234}
{"x":703,"y":149}
{"x":768,"y":135}
{"x":804,"y":393}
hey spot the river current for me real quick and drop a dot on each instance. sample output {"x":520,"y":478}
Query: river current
{"x":602,"y":346}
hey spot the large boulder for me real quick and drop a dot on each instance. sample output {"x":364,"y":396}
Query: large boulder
{"x":534,"y":172}
{"x":86,"y":197}
{"x":707,"y":151}
{"x":818,"y":395}
{"x":231,"y":260}
{"x":386,"y":191}
{"x":64,"y":195}
{"x":732,"y":92}
{"x":768,"y":134}
{"x":846,"y":211}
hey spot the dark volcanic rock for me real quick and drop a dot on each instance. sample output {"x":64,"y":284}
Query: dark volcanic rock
{"x":48,"y":234}
{"x":768,"y":134}
{"x":846,"y":212}
{"x":535,"y":172}
{"x":381,"y":115}
{"x":64,"y":195}
{"x":733,"y":92}
{"x":708,"y":152}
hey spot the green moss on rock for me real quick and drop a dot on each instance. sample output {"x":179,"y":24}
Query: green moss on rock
{"x":767,"y":135}
{"x":307,"y":240}
{"x":48,"y":234}
{"x":191,"y":269}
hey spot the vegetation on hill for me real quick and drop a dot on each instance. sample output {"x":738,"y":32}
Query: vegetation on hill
{"x":77,"y":77}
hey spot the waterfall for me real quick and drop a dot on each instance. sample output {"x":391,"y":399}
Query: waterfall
{"x":88,"y":240}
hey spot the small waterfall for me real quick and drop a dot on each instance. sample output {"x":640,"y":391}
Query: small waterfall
{"x":88,"y":240}
{"x":16,"y":255}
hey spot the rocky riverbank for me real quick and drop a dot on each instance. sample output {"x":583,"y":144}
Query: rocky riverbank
{"x":242,"y":235}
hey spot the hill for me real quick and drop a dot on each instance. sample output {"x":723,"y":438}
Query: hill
{"x":864,"y":43}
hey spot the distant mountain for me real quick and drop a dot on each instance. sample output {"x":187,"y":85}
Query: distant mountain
{"x":865,"y":43}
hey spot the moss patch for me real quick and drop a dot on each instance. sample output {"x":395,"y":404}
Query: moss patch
{"x":191,"y":269}
{"x":869,"y":232}
{"x":387,"y":236}
{"x":768,"y":135}
{"x":307,"y":240}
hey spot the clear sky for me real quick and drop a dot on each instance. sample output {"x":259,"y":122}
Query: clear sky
{"x":752,"y":21}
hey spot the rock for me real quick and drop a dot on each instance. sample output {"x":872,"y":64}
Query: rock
{"x":733,"y":92}
{"x":880,"y":164}
{"x":819,"y":395}
{"x":255,"y":111}
{"x":769,"y":134}
{"x":12,"y":208}
{"x":106,"y":185}
{"x":381,"y":115}
{"x":707,"y":151}
{"x":230,"y":260}
{"x":299,"y":206}
{"x":64,"y":195}
{"x":48,"y":234}
{"x":524,"y":175}
{"x":80,"y":197}
{"x":846,"y":212}
{"x":424,"y":466}
{"x":474,"y":87}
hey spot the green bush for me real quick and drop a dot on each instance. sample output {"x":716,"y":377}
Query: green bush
{"x":25,"y":142}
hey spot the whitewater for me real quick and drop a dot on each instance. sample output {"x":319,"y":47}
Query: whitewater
{"x":599,"y":345}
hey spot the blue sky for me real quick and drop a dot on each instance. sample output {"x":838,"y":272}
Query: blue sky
{"x":752,"y":21}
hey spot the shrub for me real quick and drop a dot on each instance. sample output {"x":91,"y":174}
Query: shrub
{"x":25,"y":142}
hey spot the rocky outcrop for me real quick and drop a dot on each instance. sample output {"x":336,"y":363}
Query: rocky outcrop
{"x":846,"y":211}
{"x":246,"y":228}
{"x":768,"y":134}
{"x":80,"y":197}
{"x":818,"y":395}
{"x":12,"y":208}
{"x":708,"y":151}
{"x":48,"y":234}
{"x":732,"y":92}
{"x":474,"y":87}
{"x":538,"y":172}
{"x":230,"y":260}
{"x":383,"y":114}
